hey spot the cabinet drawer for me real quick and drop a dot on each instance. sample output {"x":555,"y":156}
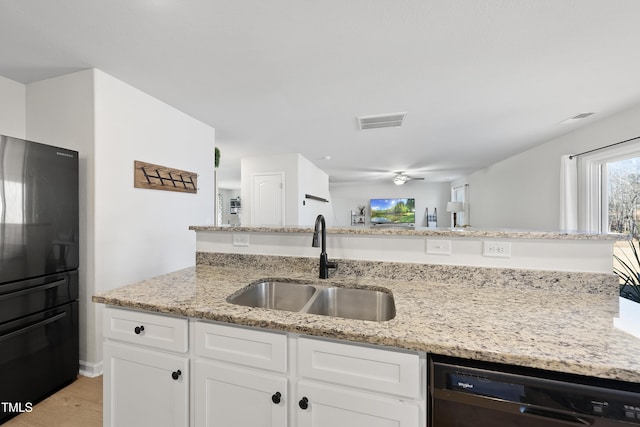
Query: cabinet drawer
{"x":379,"y":370}
{"x":249,"y":347}
{"x":153,"y":330}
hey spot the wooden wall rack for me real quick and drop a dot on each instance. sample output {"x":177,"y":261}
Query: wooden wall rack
{"x":156,"y":177}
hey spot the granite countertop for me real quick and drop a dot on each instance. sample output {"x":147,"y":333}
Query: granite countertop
{"x":544,"y":327}
{"x":463,"y":232}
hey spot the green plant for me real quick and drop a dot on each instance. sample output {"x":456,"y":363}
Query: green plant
{"x":628,"y":271}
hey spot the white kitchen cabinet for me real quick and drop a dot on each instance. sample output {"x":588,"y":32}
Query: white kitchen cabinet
{"x":373,"y":369}
{"x":143,"y":387}
{"x":244,"y":376}
{"x":239,"y":370}
{"x":238,"y":376}
{"x":324,"y":405}
{"x":146,"y":370}
{"x":350,"y":385}
{"x":227,"y":395}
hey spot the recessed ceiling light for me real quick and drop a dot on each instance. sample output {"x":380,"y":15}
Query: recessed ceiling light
{"x":577,"y":118}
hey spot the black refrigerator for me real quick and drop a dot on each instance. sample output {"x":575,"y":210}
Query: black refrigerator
{"x":39,"y":252}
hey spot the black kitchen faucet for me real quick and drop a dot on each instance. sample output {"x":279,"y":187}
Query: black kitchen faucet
{"x":325,"y":264}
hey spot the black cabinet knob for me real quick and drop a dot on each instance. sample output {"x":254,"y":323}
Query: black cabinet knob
{"x":304,"y":403}
{"x":138,"y":329}
{"x":176,"y":374}
{"x":276,"y":397}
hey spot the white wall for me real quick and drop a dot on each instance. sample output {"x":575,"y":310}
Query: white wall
{"x":586,"y":256}
{"x":148,"y":226}
{"x":250,"y":166}
{"x":314,"y":181}
{"x":60,"y":112}
{"x":347,"y":197}
{"x":524,"y":191}
{"x":300,"y":177}
{"x":130,"y":234}
{"x":12,"y":108}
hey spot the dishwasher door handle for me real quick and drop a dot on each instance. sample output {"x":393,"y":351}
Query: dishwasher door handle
{"x":556,"y":416}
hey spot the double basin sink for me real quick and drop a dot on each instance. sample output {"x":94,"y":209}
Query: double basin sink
{"x":349,"y":303}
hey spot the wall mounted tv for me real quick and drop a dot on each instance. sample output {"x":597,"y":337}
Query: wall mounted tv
{"x":399,"y":212}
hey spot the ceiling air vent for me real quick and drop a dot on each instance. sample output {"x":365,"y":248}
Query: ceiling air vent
{"x":381,"y":121}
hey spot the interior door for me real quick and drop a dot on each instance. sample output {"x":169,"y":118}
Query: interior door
{"x":268,"y":199}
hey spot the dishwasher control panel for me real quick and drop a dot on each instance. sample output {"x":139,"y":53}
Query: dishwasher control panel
{"x":503,"y":395}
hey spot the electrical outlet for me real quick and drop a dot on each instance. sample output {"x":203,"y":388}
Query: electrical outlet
{"x":241,"y":239}
{"x":496,"y":249}
{"x":438,"y":247}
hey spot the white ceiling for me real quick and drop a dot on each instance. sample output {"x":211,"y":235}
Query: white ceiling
{"x":480,"y":79}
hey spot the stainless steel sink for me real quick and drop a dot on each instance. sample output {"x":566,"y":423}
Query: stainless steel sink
{"x":275,"y":295}
{"x":362,"y":304}
{"x":349,"y":303}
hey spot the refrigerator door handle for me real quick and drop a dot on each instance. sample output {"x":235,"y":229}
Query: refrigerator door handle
{"x":35,"y":288}
{"x":33,"y":326}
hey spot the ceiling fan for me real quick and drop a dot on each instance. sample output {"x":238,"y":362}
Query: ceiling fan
{"x":400,"y":178}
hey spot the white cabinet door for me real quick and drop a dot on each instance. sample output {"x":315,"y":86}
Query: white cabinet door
{"x":226,"y":395}
{"x":329,"y":406}
{"x":143,"y":387}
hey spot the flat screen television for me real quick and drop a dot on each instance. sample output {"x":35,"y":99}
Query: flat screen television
{"x":393,"y":212}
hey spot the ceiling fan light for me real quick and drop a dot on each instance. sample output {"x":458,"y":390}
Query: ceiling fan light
{"x":400,"y":179}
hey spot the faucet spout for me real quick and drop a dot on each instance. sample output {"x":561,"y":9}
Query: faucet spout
{"x":320,"y":227}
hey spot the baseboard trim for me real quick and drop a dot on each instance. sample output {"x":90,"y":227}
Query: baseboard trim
{"x":90,"y":369}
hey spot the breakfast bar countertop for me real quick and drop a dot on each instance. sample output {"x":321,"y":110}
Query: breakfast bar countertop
{"x":532,"y":325}
{"x":441,"y":232}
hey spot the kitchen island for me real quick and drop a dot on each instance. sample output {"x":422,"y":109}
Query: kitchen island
{"x":559,"y":321}
{"x":208,"y":356}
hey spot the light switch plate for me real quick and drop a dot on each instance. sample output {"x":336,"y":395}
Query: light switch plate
{"x":241,"y":239}
{"x":438,"y":247}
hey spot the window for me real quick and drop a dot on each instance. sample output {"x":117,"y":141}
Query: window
{"x":623,"y":196}
{"x":610,"y":190}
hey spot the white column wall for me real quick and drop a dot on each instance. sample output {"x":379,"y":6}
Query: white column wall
{"x":12,"y":108}
{"x":128,"y":234}
{"x":60,"y":112}
{"x":312,"y":180}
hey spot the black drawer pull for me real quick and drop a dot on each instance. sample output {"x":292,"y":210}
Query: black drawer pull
{"x":276,"y":397}
{"x":138,"y":329}
{"x":176,"y":374}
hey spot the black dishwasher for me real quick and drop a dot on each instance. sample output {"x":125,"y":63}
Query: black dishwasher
{"x":465,"y":393}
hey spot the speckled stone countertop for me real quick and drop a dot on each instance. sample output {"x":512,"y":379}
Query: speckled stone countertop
{"x":463,"y":232}
{"x":556,"y":321}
